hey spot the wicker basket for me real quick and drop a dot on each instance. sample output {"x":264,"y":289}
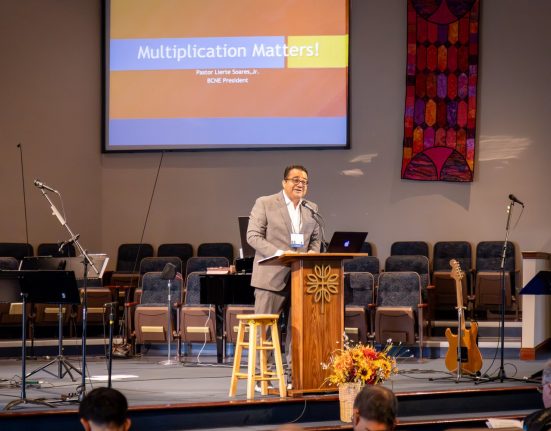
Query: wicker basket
{"x":347,"y":395}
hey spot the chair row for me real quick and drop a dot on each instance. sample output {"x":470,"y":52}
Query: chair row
{"x":392,"y":309}
{"x":129,"y":256}
{"x":481,"y":284}
{"x":190,"y":321}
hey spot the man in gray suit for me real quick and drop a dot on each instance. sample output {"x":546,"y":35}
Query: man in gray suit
{"x":280,"y":223}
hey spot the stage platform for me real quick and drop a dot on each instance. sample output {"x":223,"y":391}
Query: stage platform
{"x":194,"y":395}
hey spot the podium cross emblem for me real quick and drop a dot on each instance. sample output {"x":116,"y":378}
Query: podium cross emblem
{"x":322,"y":284}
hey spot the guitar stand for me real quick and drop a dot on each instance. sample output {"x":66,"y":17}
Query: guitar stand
{"x":459,"y":376}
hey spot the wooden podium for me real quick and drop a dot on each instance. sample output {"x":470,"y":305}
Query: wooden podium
{"x":317,"y":313}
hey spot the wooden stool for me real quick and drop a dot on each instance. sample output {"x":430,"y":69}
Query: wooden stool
{"x":257,"y":324}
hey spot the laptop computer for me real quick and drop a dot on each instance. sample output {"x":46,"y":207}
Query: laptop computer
{"x":346,"y":242}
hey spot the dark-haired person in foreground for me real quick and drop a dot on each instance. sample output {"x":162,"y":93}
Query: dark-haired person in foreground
{"x":374,"y":409}
{"x":278,"y":223}
{"x":104,"y":409}
{"x":541,"y":419}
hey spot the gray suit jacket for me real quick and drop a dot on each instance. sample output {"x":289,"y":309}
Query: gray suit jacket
{"x":270,"y":230}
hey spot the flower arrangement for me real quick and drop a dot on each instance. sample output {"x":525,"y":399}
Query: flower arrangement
{"x":361,"y":364}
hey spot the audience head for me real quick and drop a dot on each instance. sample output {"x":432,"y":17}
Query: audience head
{"x":546,"y":385}
{"x":374,"y":409}
{"x":104,"y":409}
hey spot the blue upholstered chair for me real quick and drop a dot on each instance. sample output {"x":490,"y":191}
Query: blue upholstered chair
{"x":212,"y":249}
{"x":359,"y":302}
{"x":362,"y":264}
{"x":415,"y":263}
{"x":444,"y":295}
{"x":129,"y":256}
{"x":9,"y":263}
{"x":182,"y":250}
{"x":199,"y":263}
{"x":52,"y":249}
{"x":18,"y":250}
{"x":399,"y":309}
{"x":150,"y":264}
{"x":197,"y":321}
{"x":408,"y":248}
{"x":367,"y":248}
{"x":488,"y":277}
{"x":151,"y":314}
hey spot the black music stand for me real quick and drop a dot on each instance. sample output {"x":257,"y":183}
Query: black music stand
{"x":45,"y":287}
{"x":63,"y":365}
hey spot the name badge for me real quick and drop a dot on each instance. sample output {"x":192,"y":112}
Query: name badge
{"x":297,"y":240}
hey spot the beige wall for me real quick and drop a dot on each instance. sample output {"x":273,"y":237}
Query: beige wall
{"x":50,"y":99}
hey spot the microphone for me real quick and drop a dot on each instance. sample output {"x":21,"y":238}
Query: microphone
{"x":307,"y":204}
{"x":514,"y":199}
{"x":319,"y":219}
{"x":169,"y":271}
{"x":69,"y":241}
{"x":41,"y":185}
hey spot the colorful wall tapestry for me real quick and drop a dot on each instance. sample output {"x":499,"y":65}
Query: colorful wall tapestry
{"x":442,"y":72}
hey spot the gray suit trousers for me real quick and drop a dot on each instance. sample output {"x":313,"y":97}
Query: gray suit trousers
{"x":270,"y":302}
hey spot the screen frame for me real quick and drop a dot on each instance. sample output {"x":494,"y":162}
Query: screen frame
{"x":106,"y":149}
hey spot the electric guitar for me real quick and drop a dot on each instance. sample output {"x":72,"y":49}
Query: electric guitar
{"x":462,"y":347}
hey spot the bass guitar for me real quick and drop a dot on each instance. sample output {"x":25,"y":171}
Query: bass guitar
{"x":462,"y":347}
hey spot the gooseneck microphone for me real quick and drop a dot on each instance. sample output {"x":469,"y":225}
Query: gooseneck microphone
{"x":308,"y":205}
{"x":41,"y":185}
{"x":515,"y":200}
{"x":319,"y":220}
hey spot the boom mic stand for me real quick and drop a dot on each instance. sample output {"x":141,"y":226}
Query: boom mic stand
{"x":81,"y":390}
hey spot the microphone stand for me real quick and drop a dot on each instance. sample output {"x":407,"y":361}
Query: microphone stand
{"x":169,"y":274}
{"x":81,"y":390}
{"x":29,"y":251}
{"x":501,"y":375}
{"x":110,"y":354}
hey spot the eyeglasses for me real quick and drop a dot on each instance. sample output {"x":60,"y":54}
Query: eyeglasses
{"x":296,"y":181}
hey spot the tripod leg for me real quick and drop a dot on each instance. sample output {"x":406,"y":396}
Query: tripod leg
{"x":63,"y":365}
{"x":43,"y":367}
